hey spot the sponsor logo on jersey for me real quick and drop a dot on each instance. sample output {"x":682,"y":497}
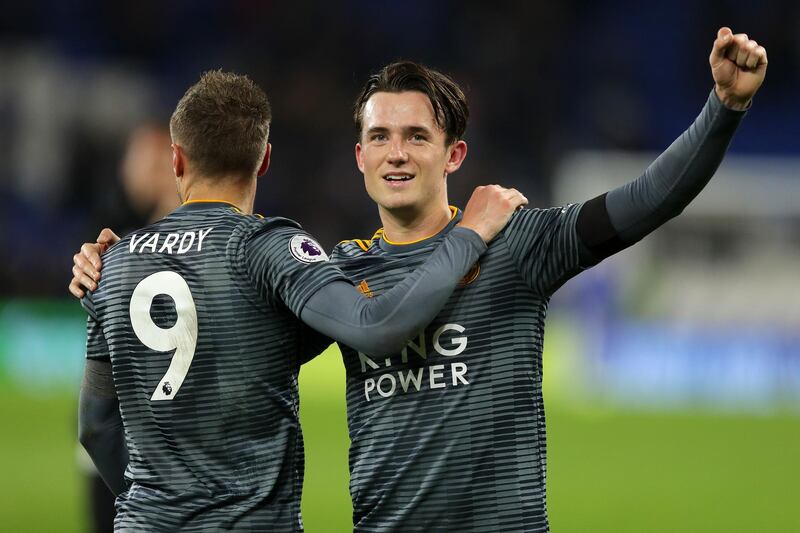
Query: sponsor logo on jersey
{"x":306,"y":250}
{"x":408,"y":376}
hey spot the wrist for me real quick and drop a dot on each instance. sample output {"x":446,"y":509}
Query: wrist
{"x":730,"y":101}
{"x":472,"y":234}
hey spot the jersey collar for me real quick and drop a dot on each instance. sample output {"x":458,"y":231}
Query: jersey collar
{"x":198,"y":205}
{"x":395,"y":247}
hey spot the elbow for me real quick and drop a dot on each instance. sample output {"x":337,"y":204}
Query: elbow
{"x":87,"y":435}
{"x":673,"y":209}
{"x":664,"y":214}
{"x":92,"y":424}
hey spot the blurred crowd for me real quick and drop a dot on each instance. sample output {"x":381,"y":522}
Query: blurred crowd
{"x":87,"y":88}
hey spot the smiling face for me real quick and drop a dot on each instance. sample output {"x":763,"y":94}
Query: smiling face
{"x":404,"y":156}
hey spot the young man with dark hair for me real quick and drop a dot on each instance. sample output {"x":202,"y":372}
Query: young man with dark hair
{"x":189,"y":402}
{"x":449,"y":433}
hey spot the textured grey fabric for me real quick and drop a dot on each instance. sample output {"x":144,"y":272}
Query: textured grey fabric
{"x":197,"y":315}
{"x":448,"y":434}
{"x":380,"y":326}
{"x":212,"y":426}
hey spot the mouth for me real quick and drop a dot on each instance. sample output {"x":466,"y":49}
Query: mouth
{"x":398,"y":178}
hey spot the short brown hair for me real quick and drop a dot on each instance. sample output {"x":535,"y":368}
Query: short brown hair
{"x":222,"y":123}
{"x":448,"y":100}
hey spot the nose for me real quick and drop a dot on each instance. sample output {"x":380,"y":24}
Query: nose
{"x":397,"y":155}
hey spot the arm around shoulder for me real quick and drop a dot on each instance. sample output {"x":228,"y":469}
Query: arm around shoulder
{"x":381,"y":325}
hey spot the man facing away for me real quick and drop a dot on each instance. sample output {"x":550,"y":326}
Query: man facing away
{"x":448,"y":434}
{"x":196,"y":330}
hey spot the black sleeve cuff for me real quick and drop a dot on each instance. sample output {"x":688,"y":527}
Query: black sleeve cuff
{"x":596,"y":232}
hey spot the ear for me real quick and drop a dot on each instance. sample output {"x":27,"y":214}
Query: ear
{"x":265,"y":163}
{"x":359,"y":158}
{"x":178,"y":160}
{"x":458,"y":152}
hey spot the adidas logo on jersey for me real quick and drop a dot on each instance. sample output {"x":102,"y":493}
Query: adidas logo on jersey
{"x":364,"y":289}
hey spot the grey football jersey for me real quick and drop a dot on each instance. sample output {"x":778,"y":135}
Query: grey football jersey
{"x":449,"y":434}
{"x":198,"y":316}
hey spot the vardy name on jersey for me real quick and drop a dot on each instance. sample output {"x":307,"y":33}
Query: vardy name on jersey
{"x":182,"y":242}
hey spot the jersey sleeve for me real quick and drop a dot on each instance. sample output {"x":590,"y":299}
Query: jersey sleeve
{"x":545,"y":246}
{"x":287,"y":265}
{"x":382,"y":324}
{"x":96,"y":345}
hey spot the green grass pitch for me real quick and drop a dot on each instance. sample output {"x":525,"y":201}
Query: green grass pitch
{"x":609,"y":470}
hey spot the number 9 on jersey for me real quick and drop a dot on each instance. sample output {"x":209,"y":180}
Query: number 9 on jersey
{"x":181,"y":337}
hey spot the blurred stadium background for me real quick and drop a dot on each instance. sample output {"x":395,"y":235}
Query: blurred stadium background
{"x":672,"y":370}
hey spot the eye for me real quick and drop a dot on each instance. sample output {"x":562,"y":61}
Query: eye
{"x":377,"y":137}
{"x":418,"y":138}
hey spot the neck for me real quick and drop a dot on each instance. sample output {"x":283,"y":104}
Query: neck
{"x":239,"y":192}
{"x":402,"y":226}
{"x":167,"y":205}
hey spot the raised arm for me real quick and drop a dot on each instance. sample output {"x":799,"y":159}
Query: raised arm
{"x":623,"y":216}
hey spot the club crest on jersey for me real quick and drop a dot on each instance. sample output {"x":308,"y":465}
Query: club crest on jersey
{"x":306,"y":250}
{"x":471,"y":276}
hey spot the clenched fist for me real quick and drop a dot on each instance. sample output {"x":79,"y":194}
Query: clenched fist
{"x":738,"y":65}
{"x":490,"y":208}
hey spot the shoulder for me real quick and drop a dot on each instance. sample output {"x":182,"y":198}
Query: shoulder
{"x":540,"y":219}
{"x":353,"y":248}
{"x":278,"y":235}
{"x":251,"y":228}
{"x":253,"y":224}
